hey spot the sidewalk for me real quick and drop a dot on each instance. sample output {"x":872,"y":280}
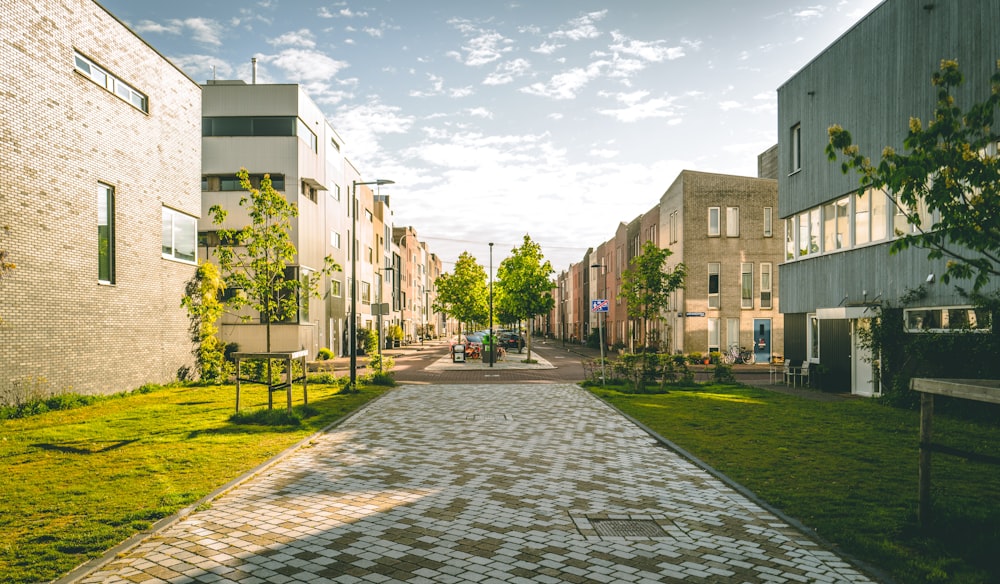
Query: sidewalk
{"x":500,"y":484}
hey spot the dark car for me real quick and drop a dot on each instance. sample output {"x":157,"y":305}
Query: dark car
{"x":509,"y":340}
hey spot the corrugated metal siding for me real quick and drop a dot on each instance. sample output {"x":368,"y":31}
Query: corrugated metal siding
{"x":835,"y":356}
{"x":795,"y":337}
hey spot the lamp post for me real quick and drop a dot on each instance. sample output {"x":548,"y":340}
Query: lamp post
{"x":354,"y":276}
{"x":492,"y":350}
{"x":600,"y":329}
{"x":381,"y":339}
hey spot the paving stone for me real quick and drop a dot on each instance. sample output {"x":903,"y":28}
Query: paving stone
{"x":481,"y":484}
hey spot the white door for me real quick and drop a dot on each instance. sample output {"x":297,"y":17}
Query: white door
{"x":861,"y":360}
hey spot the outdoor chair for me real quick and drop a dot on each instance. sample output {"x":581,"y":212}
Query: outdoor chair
{"x":789,"y":372}
{"x":803,"y":374}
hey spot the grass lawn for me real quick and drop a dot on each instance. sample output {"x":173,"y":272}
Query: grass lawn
{"x":848,"y":470}
{"x":74,"y":483}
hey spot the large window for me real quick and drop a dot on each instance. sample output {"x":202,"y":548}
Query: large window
{"x":812,"y":338}
{"x":307,"y":135}
{"x":231,"y":182}
{"x":768,"y":220}
{"x":862,"y":218}
{"x":714,"y":222}
{"x":713,"y":284}
{"x":713,"y":334}
{"x":949,"y":319}
{"x":249,"y":126}
{"x":732,"y":332}
{"x":732,"y":221}
{"x":105,"y":234}
{"x":113,"y":84}
{"x":746,"y":285}
{"x":765,"y":285}
{"x":335,"y":289}
{"x":180,"y":236}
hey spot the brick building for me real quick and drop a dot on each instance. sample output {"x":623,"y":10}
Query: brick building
{"x":99,"y":199}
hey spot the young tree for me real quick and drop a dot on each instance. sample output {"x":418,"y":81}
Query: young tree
{"x":950,"y":168}
{"x":463,"y":294}
{"x":646,"y":285}
{"x":253,"y":259}
{"x":524,"y":279}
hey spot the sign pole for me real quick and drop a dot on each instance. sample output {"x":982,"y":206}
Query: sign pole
{"x":601,"y":306}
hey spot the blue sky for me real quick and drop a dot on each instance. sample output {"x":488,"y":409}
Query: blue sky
{"x":555,"y":118}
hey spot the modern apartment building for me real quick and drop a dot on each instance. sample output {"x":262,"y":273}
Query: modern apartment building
{"x":279,"y":131}
{"x":722,"y":228}
{"x":838,"y":270}
{"x":99,"y":200}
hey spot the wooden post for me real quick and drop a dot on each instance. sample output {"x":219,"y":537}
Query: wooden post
{"x":288,"y":380}
{"x":924,"y":471}
{"x":237,"y":385}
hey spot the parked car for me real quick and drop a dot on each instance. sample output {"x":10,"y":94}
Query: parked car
{"x":510,"y":340}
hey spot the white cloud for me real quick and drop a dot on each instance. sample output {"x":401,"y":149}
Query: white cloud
{"x":203,"y":30}
{"x":362,"y":125}
{"x":299,"y":38}
{"x":566,"y":85}
{"x":730,"y":105}
{"x":604,"y":153}
{"x":480,"y":112}
{"x":482,"y":46}
{"x":581,"y":28}
{"x":652,"y":51}
{"x":506,"y":72}
{"x":638,"y":108}
{"x":204,"y":67}
{"x":810,"y":12}
{"x":547,"y":48}
{"x":302,"y":65}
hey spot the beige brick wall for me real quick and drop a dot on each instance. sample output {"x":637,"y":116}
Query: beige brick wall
{"x":61,"y":135}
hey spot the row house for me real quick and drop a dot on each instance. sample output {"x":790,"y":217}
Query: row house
{"x":420,"y":270}
{"x":837,"y":267}
{"x":100,"y":156}
{"x":722,"y":228}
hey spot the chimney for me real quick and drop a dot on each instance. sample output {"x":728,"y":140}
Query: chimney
{"x":253,"y":61}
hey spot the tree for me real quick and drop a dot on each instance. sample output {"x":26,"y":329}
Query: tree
{"x":204,"y":307}
{"x":647,"y":284}
{"x":951,"y":171}
{"x":524,"y":279}
{"x":254,"y":258}
{"x":463,"y":294}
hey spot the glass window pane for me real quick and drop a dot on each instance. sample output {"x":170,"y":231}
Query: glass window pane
{"x":830,"y":227}
{"x":167,"y":233}
{"x":105,"y":234}
{"x":713,"y":221}
{"x":231,"y":127}
{"x":814,"y":231}
{"x":185,"y":238}
{"x":273,"y":126}
{"x":843,"y":227}
{"x":879,"y":219}
{"x":862,"y":226}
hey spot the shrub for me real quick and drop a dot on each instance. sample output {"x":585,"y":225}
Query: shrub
{"x":324,"y":354}
{"x":715,"y":357}
{"x":695,"y":357}
{"x":723,"y":373}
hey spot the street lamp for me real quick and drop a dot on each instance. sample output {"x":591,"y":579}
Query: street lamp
{"x":354,"y":275}
{"x":600,"y":329}
{"x":492,"y":349}
{"x":381,"y":279}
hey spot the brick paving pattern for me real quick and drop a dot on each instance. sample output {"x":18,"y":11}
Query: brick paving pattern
{"x":515,"y":483}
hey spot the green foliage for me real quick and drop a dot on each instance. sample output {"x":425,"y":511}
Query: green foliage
{"x":267,"y":417}
{"x":950,"y":168}
{"x":202,"y":295}
{"x":525,"y":285}
{"x":640,"y":371}
{"x":594,"y":339}
{"x":647,"y":284}
{"x":695,"y":358}
{"x":464,"y":293}
{"x":723,"y":373}
{"x":395,"y":332}
{"x":254,"y":258}
{"x":324,"y":354}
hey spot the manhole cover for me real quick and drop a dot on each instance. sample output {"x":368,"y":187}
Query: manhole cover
{"x":627,"y":528}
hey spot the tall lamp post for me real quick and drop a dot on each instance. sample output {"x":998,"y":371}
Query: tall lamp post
{"x":354,"y":275}
{"x":600,"y":329}
{"x":381,"y":339}
{"x":492,"y":349}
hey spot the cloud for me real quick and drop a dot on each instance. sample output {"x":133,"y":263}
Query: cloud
{"x":581,"y":28}
{"x":363,"y":125}
{"x":480,"y":112}
{"x":547,"y":48}
{"x":438,"y":88}
{"x":638,"y":108}
{"x":730,"y":105}
{"x":566,"y":85}
{"x":203,"y":30}
{"x":651,"y":51}
{"x":299,"y":38}
{"x":482,"y":46}
{"x":810,"y":12}
{"x":506,"y":72}
{"x":204,"y":67}
{"x":604,"y":153}
{"x":302,"y":65}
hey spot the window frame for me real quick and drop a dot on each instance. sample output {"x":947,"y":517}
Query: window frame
{"x":110,"y":82}
{"x":732,"y":221}
{"x":172,"y":253}
{"x":746,"y":285}
{"x":795,"y":137}
{"x":716,"y":230}
{"x":106,"y":263}
{"x":768,"y":221}
{"x":766,"y":285}
{"x":717,"y":295}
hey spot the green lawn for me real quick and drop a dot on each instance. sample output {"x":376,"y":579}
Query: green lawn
{"x":74,"y":483}
{"x":848,"y":470}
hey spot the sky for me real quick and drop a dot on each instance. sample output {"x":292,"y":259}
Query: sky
{"x":557,"y":119}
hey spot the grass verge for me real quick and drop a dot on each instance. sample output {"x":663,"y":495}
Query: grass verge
{"x":846,"y":469}
{"x":79,"y":481}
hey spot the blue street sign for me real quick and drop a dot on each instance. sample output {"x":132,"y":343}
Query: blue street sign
{"x":599,"y":305}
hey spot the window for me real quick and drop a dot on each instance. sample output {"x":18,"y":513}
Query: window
{"x":947,"y":320}
{"x":335,"y":239}
{"x":369,"y":216}
{"x":304,"y":281}
{"x":714,"y":228}
{"x":862,"y":218}
{"x":306,"y":135}
{"x":180,"y":236}
{"x":113,"y":84}
{"x":713,"y":284}
{"x":790,"y":238}
{"x":812,"y":338}
{"x":335,"y":289}
{"x":795,"y":139}
{"x":231,"y":182}
{"x":713,"y":334}
{"x":880,"y":204}
{"x":248,"y":126}
{"x":732,"y":332}
{"x":765,"y":285}
{"x":310,"y":192}
{"x":366,"y":292}
{"x":732,"y":221}
{"x":746,"y":285}
{"x":105,"y":234}
{"x":283,"y":294}
{"x":335,"y":192}
{"x":768,"y":220}
{"x":673,"y":227}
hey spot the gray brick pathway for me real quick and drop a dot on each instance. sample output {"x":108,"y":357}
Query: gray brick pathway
{"x":486,"y":484}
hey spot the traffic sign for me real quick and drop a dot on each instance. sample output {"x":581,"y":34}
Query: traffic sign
{"x":600,"y":305}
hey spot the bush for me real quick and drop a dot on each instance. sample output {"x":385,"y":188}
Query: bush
{"x":695,"y":358}
{"x":328,"y":379}
{"x":723,"y":374}
{"x":715,"y":357}
{"x":324,"y":354}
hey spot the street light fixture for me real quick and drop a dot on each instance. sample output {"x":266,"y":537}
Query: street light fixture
{"x":354,"y":275}
{"x":600,"y":329}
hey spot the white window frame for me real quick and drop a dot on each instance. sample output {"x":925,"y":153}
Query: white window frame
{"x":110,"y":82}
{"x":812,"y":337}
{"x":768,"y":221}
{"x":766,"y":283}
{"x":714,"y":222}
{"x":732,"y":332}
{"x":336,"y":290}
{"x":174,"y":222}
{"x":106,"y":219}
{"x":746,"y":285}
{"x":714,"y":334}
{"x":915,"y":320}
{"x":795,"y":137}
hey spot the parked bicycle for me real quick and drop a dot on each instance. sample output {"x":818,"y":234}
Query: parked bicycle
{"x":737,"y":354}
